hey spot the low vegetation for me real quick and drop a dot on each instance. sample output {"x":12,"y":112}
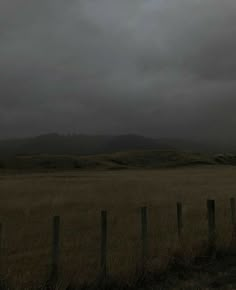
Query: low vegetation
{"x":29,"y":201}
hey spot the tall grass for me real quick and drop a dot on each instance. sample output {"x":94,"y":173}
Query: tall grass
{"x":29,"y":201}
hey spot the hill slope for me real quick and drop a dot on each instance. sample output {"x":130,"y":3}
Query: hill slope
{"x":120,"y":160}
{"x":55,"y":151}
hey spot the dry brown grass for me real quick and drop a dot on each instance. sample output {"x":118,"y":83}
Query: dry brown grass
{"x":29,"y":201}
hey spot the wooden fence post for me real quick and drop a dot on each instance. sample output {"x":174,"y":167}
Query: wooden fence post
{"x":211,"y":227}
{"x":103,"y":244}
{"x":233,"y":217}
{"x":180,"y":220}
{"x":144,"y":237}
{"x":55,"y":249}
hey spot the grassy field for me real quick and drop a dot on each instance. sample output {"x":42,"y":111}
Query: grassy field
{"x":29,"y":201}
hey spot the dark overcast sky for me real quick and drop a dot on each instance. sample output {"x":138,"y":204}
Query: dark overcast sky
{"x":164,"y":68}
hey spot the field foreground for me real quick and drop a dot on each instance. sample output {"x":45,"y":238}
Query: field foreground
{"x":29,"y":201}
{"x":215,"y":274}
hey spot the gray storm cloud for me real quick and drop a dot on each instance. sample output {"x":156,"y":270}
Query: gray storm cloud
{"x":153,"y":67}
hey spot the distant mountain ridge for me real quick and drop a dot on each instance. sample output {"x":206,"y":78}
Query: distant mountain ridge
{"x":55,"y":144}
{"x":81,"y":144}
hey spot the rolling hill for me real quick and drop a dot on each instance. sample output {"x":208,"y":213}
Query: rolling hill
{"x":54,"y":151}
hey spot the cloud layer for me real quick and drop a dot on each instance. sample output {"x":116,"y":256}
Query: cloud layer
{"x":164,"y":68}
